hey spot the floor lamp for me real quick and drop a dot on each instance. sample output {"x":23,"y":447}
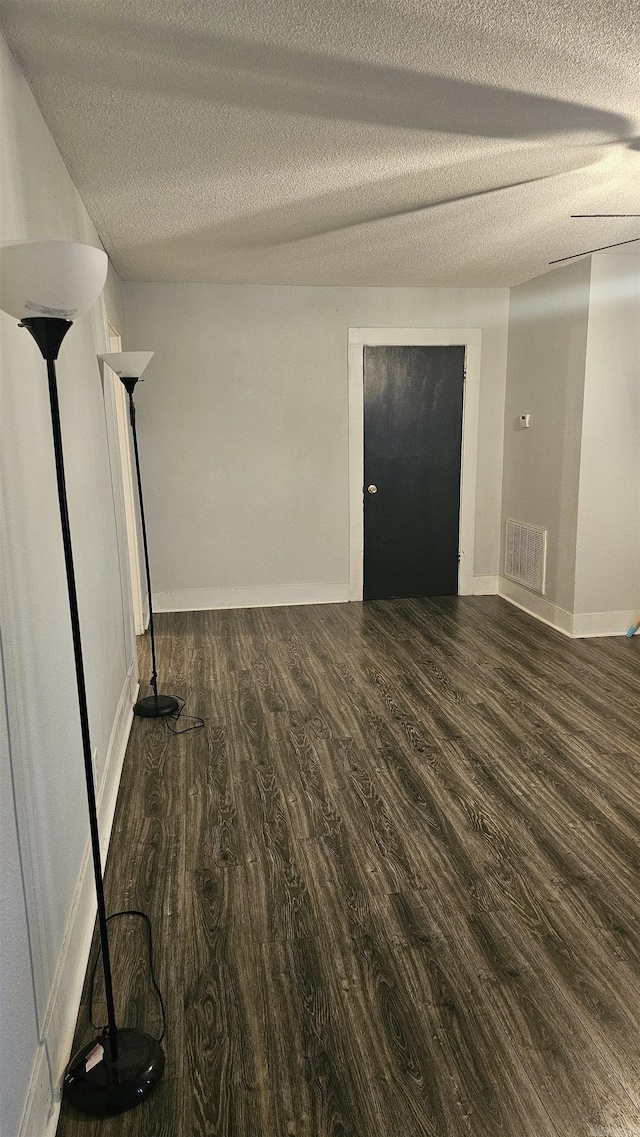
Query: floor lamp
{"x":129,"y":366}
{"x":45,"y":285}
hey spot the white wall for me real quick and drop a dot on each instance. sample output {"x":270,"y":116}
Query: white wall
{"x":244,"y":433}
{"x":574,"y":364}
{"x":608,"y":531}
{"x":46,"y":901}
{"x":548,"y":319}
{"x":18,"y":1027}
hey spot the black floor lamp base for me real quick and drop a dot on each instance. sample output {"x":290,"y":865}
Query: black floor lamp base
{"x":159,"y":707}
{"x":109,"y":1088}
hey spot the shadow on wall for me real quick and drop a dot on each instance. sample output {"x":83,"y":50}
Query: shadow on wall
{"x":364,"y":203}
{"x":123,"y":54}
{"x":132,"y":55}
{"x":293,"y":241}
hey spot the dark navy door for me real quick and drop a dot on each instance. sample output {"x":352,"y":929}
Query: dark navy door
{"x":413,"y":398}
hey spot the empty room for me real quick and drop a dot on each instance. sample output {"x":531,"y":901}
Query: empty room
{"x":319,"y":568}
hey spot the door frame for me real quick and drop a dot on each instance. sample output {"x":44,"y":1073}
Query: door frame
{"x":117,"y":398}
{"x":471,"y":340}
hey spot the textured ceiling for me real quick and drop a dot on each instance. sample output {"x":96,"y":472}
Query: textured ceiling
{"x":363,"y":142}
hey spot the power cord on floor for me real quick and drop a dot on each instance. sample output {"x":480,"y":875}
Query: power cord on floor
{"x":198,"y":722}
{"x":154,"y":984}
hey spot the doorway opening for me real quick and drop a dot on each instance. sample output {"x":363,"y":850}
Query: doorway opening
{"x":359,"y":338}
{"x":140,"y":617}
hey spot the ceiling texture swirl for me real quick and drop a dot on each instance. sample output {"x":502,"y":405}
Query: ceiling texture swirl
{"x":341,"y":142}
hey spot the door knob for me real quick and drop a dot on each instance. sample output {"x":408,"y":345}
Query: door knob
{"x":372,"y":489}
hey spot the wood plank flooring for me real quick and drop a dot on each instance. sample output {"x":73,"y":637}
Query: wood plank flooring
{"x":394,"y":884}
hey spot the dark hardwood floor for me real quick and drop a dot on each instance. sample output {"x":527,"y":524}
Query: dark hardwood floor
{"x":394,"y":884}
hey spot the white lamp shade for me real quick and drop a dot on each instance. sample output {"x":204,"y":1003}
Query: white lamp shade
{"x":50,"y":278}
{"x":128,"y":364}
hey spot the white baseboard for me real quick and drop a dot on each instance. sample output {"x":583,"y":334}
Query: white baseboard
{"x":485,"y":585}
{"x":273,"y":595}
{"x":587,"y":624}
{"x":42,"y":1106}
{"x":250,"y":596}
{"x":581,"y":625}
{"x":537,"y":606}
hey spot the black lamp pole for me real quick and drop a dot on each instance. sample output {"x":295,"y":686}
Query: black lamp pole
{"x":49,"y":334}
{"x":115,"y":1071}
{"x":153,"y":706}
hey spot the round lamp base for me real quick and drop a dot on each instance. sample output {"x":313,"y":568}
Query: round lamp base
{"x":107,"y":1088}
{"x":159,"y":707}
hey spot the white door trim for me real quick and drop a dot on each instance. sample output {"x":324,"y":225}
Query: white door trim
{"x":471,"y":339}
{"x":119,"y":402}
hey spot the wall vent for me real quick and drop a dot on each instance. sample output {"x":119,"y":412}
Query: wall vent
{"x":525,"y":555}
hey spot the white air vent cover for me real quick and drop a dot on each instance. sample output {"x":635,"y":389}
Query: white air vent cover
{"x":525,"y":555}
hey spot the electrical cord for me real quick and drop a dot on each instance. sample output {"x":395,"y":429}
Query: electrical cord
{"x":198,"y":722}
{"x":154,"y":983}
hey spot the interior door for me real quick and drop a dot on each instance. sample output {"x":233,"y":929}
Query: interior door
{"x":413,"y":400}
{"x":130,"y":497}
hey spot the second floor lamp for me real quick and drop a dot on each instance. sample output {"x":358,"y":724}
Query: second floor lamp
{"x":129,"y":367}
